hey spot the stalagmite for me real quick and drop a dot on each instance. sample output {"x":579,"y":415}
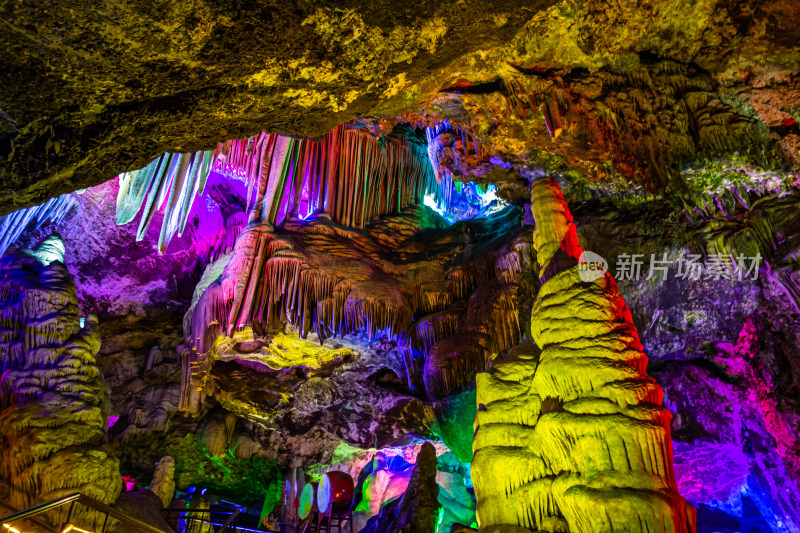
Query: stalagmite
{"x":163,"y":484}
{"x":53,"y":403}
{"x":574,"y":438}
{"x":416,"y":511}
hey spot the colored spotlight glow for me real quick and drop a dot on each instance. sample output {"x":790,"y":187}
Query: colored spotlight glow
{"x":431,"y":202}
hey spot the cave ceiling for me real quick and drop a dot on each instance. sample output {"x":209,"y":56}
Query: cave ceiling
{"x":641,"y":90}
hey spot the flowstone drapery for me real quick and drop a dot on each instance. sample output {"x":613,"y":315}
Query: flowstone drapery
{"x":574,"y":438}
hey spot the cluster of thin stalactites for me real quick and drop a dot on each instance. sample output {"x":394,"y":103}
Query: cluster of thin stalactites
{"x":349,"y":175}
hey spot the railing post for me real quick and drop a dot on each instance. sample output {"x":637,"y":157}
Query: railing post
{"x":230,"y":519}
{"x":69,"y":515}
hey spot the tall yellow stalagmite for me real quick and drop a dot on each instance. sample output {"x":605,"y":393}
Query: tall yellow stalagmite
{"x":572,"y":436}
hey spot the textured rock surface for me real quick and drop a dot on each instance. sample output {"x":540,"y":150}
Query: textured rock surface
{"x":680,"y":322}
{"x":114,"y":274}
{"x":197,"y":73}
{"x":54,"y":402}
{"x":163,"y":484}
{"x":575,"y":439}
{"x":361,"y":397}
{"x":717,"y":346}
{"x":140,"y":363}
{"x":634,"y":86}
{"x":614,"y":98}
{"x":416,"y":510}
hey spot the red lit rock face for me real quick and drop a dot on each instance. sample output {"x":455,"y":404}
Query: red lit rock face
{"x":740,"y":456}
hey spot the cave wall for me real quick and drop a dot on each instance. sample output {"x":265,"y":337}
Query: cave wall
{"x":197,"y":73}
{"x":732,"y":403}
{"x":672,"y":128}
{"x":733,"y":400}
{"x":84,"y":99}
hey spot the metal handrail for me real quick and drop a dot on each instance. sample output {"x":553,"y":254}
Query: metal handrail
{"x":228,"y":522}
{"x":36,"y":521}
{"x":182,"y":512}
{"x":85,"y":500}
{"x":42,"y":507}
{"x":195,"y":511}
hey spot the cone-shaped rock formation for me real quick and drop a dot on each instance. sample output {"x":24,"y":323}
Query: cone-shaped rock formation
{"x":53,"y":403}
{"x":575,"y":437}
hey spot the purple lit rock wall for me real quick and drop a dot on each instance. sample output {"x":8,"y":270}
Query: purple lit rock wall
{"x":113,"y":272}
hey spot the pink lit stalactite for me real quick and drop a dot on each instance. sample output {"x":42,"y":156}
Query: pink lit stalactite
{"x":349,"y":175}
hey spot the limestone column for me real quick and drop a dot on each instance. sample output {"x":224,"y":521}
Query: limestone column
{"x":572,"y":436}
{"x":53,"y":402}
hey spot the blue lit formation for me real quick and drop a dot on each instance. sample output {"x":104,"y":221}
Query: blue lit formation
{"x":467,"y":201}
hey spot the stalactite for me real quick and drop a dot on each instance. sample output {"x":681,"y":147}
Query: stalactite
{"x":443,"y":139}
{"x":432,"y":328}
{"x":176,"y":179}
{"x":224,"y":241}
{"x":270,"y":283}
{"x":304,"y":258}
{"x":575,"y":437}
{"x":349,"y":175}
{"x":465,"y":278}
{"x":14,"y":224}
{"x":491,"y":325}
{"x":552,"y":118}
